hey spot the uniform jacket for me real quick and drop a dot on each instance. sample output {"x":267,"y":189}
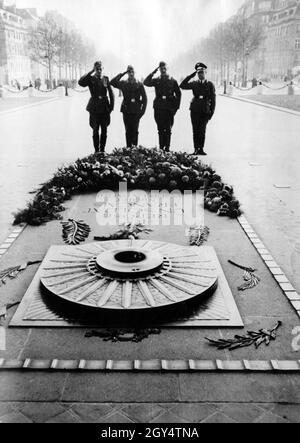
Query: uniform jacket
{"x":102,"y":96}
{"x":135,"y":98}
{"x":204,"y":101}
{"x":168,"y":94}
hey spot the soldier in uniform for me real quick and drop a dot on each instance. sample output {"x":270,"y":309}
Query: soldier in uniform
{"x":166,"y":103}
{"x":203,"y":105}
{"x":100,"y":105}
{"x":134,"y":104}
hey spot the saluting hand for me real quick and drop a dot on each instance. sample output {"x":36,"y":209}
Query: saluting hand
{"x":155,"y":70}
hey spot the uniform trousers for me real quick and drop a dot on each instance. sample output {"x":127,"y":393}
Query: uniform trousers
{"x":165,"y":120}
{"x":131,"y":122}
{"x":199,"y":122}
{"x":98,"y":121}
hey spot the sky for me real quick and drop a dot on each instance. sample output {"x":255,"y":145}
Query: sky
{"x":141,"y":32}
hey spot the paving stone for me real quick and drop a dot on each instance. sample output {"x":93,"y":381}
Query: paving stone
{"x":65,"y":417}
{"x":116,"y":417}
{"x":288,"y":412}
{"x":31,"y":386}
{"x":142,"y":413}
{"x":117,"y":387}
{"x":169,"y":417}
{"x":236,"y":388}
{"x":92,"y":413}
{"x":193,"y":412}
{"x":40,"y":412}
{"x":243,"y":413}
{"x":219,"y":417}
{"x":15,"y":417}
{"x":271,"y":419}
{"x":6,"y":408}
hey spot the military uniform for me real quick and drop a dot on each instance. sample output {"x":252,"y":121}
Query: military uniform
{"x":100,"y":107}
{"x":133,"y":107}
{"x":202,"y":108}
{"x":166,"y":104}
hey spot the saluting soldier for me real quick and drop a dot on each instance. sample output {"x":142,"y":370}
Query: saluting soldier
{"x":166,"y":103}
{"x":134,"y":104}
{"x":100,"y":105}
{"x":203,"y":105}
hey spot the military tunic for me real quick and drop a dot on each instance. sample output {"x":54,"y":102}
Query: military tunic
{"x":133,"y":107}
{"x":202,"y":107}
{"x":166,"y":104}
{"x":100,"y":105}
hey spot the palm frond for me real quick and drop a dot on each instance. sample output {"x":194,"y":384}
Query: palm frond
{"x":75,"y":232}
{"x":13,"y":272}
{"x":251,"y":281}
{"x":198,"y":235}
{"x":127,"y":231}
{"x":251,"y":338}
{"x":250,"y":278}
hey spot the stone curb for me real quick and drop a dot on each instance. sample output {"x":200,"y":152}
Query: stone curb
{"x":264,"y":105}
{"x":31,"y":105}
{"x":56,"y":365}
{"x":277,"y":273}
{"x":13,"y":236}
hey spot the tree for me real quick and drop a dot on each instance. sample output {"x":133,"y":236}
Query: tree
{"x":244,"y":39}
{"x":44,"y":42}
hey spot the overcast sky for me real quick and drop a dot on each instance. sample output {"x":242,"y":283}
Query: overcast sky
{"x":141,"y":32}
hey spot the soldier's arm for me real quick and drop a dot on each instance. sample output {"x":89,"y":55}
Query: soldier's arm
{"x":85,"y":80}
{"x":178,"y":94}
{"x":150,"y":81}
{"x":116,"y":81}
{"x":213,"y":99}
{"x":186,"y":85}
{"x":111,"y":97}
{"x":144,"y":100}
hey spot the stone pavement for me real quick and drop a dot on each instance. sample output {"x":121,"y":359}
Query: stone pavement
{"x":212,"y":397}
{"x":43,"y":412}
{"x":8,"y":104}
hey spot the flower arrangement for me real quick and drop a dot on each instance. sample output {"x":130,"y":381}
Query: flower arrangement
{"x":140,"y":168}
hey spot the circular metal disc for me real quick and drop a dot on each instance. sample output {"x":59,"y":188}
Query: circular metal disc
{"x":107,"y":275}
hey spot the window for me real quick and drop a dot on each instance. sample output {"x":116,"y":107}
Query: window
{"x":297,"y":44}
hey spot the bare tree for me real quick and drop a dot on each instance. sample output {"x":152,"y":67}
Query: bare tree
{"x":44,"y":42}
{"x":244,"y":38}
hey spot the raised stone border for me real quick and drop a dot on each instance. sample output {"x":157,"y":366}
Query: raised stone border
{"x":152,"y":365}
{"x":4,"y":247}
{"x":263,"y":104}
{"x":280,"y":277}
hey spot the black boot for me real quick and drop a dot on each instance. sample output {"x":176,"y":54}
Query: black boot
{"x":103,"y":142}
{"x":161,"y":140}
{"x":168,"y":135}
{"x":96,"y":142}
{"x":128,"y":140}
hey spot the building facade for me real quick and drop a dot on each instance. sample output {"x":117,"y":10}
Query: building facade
{"x":15,"y":65}
{"x":278,"y":55}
